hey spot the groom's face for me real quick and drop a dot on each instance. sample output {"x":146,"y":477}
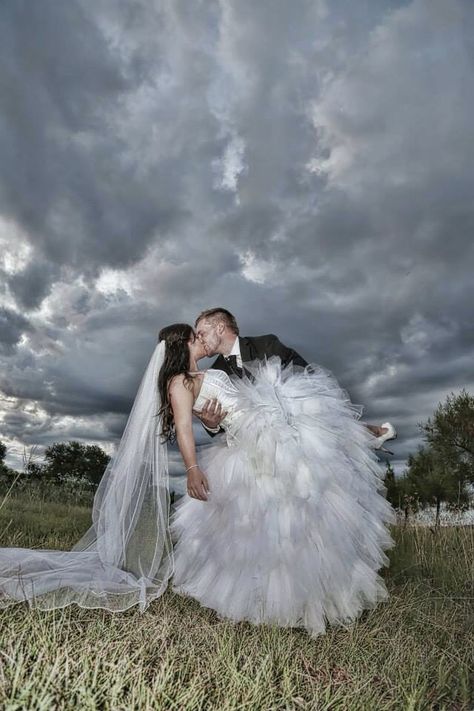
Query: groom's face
{"x":209,"y":336}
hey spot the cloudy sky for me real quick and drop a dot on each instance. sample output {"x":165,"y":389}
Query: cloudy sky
{"x":306,"y":164}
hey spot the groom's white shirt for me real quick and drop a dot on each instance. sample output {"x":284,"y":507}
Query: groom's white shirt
{"x":236,"y":351}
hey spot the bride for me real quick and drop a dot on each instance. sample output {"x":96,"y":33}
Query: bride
{"x":284,"y":520}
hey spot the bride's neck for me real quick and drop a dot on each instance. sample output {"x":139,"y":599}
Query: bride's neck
{"x":192,"y":364}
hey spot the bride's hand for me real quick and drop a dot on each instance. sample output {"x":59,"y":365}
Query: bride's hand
{"x":198,"y":486}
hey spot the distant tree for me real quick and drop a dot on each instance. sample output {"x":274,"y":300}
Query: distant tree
{"x":390,"y":482}
{"x":5,"y":471}
{"x":407,"y":493}
{"x":75,"y":459}
{"x":451,"y":434}
{"x":3,"y":454}
{"x":401,"y":492}
{"x":433,"y":479}
{"x":35,"y":470}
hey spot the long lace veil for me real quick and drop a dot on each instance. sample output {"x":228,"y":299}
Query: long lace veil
{"x":126,"y":556}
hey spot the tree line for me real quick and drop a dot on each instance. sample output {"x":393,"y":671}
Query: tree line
{"x":62,"y":459}
{"x":442,"y":470}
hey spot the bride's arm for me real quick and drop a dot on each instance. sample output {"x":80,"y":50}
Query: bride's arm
{"x":182,"y":400}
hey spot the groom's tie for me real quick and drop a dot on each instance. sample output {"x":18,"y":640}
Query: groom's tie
{"x":231,"y":361}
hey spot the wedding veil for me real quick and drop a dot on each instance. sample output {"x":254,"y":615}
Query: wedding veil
{"x":126,"y":556}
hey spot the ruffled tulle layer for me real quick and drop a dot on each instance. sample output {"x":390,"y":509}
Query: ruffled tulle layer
{"x":295,"y":526}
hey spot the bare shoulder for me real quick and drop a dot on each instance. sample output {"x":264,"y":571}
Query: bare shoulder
{"x":177,"y":383}
{"x":180,"y":386}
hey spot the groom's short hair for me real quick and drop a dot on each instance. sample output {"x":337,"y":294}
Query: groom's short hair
{"x":219,"y":315}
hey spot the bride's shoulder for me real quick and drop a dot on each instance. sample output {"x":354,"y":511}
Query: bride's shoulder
{"x":176,"y":383}
{"x":181,"y":381}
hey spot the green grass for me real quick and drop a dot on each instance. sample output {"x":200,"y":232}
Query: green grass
{"x":414,"y":651}
{"x":41,"y":524}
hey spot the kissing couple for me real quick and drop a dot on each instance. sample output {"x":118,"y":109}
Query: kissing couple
{"x":285,"y":519}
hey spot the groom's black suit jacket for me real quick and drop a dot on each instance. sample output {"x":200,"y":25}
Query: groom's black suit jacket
{"x":256,"y":348}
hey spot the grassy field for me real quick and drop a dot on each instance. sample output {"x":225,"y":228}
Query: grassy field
{"x":414,"y":651}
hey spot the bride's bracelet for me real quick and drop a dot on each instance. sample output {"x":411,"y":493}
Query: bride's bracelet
{"x":192,"y":467}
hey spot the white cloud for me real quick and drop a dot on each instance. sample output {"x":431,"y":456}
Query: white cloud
{"x":231,"y":166}
{"x":15,"y":252}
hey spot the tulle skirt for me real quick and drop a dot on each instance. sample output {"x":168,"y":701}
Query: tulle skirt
{"x":296,"y":522}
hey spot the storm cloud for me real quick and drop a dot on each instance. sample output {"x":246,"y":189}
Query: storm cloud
{"x":307,"y":165}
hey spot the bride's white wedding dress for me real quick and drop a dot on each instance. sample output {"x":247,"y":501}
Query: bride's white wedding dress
{"x":295,"y":525}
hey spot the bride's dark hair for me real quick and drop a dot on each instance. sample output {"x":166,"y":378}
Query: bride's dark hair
{"x":176,"y":362}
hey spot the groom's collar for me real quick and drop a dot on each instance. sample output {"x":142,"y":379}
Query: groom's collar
{"x":236,"y":347}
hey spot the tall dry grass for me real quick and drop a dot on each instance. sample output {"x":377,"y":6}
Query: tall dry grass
{"x":414,"y":651}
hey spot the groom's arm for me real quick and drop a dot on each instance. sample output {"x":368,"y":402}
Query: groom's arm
{"x":287,"y":354}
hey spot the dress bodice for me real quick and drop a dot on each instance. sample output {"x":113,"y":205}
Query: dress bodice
{"x":217,"y":384}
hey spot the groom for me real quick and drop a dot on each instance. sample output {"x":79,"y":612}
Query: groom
{"x":218,"y":332}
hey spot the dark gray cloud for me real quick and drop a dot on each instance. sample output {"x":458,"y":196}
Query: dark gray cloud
{"x":308,"y":167}
{"x":12,"y":327}
{"x":33,"y":283}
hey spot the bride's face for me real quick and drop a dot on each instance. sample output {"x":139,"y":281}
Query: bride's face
{"x":196,"y":348}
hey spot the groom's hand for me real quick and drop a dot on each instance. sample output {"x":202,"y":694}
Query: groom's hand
{"x":211,"y":414}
